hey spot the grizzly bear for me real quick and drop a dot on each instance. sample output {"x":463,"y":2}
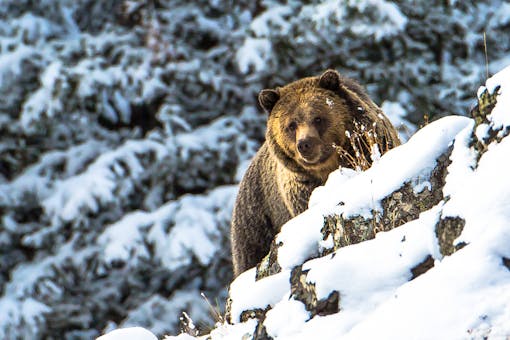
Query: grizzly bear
{"x":307,"y":137}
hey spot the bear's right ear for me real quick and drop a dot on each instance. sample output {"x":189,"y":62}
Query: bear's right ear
{"x":268,"y":99}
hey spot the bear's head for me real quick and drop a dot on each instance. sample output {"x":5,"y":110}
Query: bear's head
{"x":308,"y":120}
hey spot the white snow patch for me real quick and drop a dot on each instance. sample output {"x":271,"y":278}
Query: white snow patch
{"x":274,"y":19}
{"x":235,"y":332}
{"x":96,"y":186}
{"x":285,"y":317}
{"x":254,"y":53}
{"x":451,"y":301}
{"x":131,"y":333}
{"x":246,"y":293}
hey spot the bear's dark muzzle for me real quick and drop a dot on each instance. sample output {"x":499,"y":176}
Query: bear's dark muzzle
{"x":308,"y":149}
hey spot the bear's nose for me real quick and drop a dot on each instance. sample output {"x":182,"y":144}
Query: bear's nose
{"x":304,"y":146}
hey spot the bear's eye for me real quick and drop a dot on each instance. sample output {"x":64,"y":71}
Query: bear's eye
{"x":317,"y":120}
{"x":292,"y":126}
{"x":360,"y":110}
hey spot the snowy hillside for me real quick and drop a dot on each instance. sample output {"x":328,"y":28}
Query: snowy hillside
{"x":442,"y":271}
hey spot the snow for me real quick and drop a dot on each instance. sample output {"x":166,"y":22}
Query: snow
{"x":28,"y":312}
{"x":485,"y":216}
{"x":119,"y":238}
{"x":225,"y":332}
{"x":273,"y":19}
{"x":235,"y":332}
{"x":247,"y":293}
{"x":96,"y":186}
{"x":42,"y":101}
{"x":283,"y":319}
{"x":196,"y":230}
{"x":10,"y":62}
{"x":157,"y":314}
{"x":372,"y":185}
{"x":254,"y":53}
{"x":36,"y":179}
{"x":132,"y":333}
{"x":392,"y":19}
{"x":502,"y":16}
{"x":424,"y":306}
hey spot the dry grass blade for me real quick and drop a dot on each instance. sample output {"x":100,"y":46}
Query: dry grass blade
{"x":214,"y":310}
{"x":365,"y":147}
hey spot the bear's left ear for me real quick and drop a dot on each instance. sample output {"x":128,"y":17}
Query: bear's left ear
{"x":268,"y":99}
{"x":330,"y":80}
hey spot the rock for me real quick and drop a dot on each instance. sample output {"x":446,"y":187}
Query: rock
{"x":269,"y":264}
{"x":506,"y":262}
{"x":447,"y":231}
{"x":304,"y":291}
{"x":423,"y":267}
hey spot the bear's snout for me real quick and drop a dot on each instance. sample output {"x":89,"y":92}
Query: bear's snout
{"x":308,"y":149}
{"x":305,"y":145}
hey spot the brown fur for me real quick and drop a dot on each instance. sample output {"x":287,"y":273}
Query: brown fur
{"x":298,"y":156}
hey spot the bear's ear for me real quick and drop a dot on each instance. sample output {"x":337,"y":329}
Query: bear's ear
{"x":330,"y":80}
{"x":268,"y":99}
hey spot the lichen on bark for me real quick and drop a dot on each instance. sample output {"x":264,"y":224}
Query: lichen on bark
{"x":256,"y":313}
{"x":485,"y":103}
{"x":480,"y":113}
{"x":259,"y":314}
{"x":304,"y":291}
{"x":269,"y":264}
{"x":448,"y":229}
